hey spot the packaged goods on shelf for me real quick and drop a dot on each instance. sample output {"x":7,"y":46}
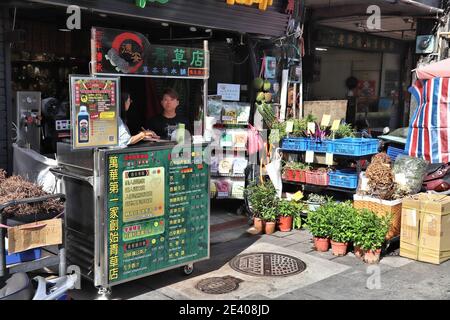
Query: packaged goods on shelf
{"x":225,"y":166}
{"x":239,"y":165}
{"x":237,"y":190}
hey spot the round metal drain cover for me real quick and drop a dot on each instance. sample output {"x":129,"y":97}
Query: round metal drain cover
{"x":218,"y":285}
{"x":267,"y":264}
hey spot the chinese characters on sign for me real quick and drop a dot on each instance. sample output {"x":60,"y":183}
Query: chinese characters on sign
{"x":354,"y":40}
{"x":94,"y":111}
{"x":157,"y":212}
{"x":113,"y":256}
{"x":123,"y":52}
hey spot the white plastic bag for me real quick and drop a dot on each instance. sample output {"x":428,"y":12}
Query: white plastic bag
{"x":273,"y":169}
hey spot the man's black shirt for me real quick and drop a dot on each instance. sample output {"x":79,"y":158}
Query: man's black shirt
{"x":164,"y":127}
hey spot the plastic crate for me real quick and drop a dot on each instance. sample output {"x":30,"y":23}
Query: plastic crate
{"x":23,"y":256}
{"x":354,"y":146}
{"x":393,"y":152}
{"x":319,"y":178}
{"x":343,"y":179}
{"x":294,"y":144}
{"x":319,"y":146}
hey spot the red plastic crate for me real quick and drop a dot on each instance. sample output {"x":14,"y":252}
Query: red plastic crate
{"x":319,"y":178}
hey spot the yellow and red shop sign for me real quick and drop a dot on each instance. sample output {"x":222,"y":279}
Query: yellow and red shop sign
{"x":263,"y":4}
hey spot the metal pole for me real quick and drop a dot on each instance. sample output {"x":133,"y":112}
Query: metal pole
{"x":294,"y":102}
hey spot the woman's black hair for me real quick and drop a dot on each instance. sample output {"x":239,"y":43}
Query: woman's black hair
{"x":123,"y":97}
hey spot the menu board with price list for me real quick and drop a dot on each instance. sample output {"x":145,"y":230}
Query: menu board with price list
{"x":157,"y":211}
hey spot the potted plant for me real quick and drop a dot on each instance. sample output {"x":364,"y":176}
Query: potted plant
{"x":359,"y":231}
{"x":373,"y":235}
{"x":288,"y":210}
{"x":288,"y":171}
{"x":260,"y":197}
{"x":318,"y":223}
{"x":342,"y":216}
{"x":269,"y":216}
{"x":315,"y":201}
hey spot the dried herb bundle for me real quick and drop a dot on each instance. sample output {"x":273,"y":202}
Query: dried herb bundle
{"x":17,"y":188}
{"x":381,"y":157}
{"x":381,"y":180}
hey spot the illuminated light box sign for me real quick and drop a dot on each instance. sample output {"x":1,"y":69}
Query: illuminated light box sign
{"x":142,"y":3}
{"x":119,"y":52}
{"x":262,"y":4}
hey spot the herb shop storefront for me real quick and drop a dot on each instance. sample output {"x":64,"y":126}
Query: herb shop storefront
{"x":42,"y":51}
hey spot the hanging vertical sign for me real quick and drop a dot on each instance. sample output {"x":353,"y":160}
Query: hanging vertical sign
{"x":94,"y":106}
{"x":119,"y":52}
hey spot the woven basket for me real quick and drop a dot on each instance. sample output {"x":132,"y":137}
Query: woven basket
{"x":382,"y":207}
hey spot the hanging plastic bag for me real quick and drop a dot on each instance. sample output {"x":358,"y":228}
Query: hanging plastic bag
{"x":273,"y":169}
{"x":255,"y":142}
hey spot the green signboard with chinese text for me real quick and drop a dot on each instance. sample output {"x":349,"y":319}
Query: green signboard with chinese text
{"x":157,"y":211}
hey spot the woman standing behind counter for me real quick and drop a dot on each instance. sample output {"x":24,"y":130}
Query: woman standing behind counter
{"x":166,"y":123}
{"x":125,"y":138}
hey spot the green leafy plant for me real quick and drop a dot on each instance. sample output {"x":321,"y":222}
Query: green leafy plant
{"x":297,"y":166}
{"x":297,"y":222}
{"x":342,"y":217}
{"x":317,"y":198}
{"x":260,"y":197}
{"x":277,"y":132}
{"x":289,"y":208}
{"x":370,"y":229}
{"x":270,"y":214}
{"x":318,"y":223}
{"x":345,"y":131}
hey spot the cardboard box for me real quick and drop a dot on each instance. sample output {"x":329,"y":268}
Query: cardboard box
{"x":34,"y":235}
{"x":425,"y":230}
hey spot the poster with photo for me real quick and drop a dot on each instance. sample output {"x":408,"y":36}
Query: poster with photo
{"x":270,"y":68}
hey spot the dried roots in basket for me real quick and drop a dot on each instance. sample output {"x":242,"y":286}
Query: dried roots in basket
{"x":381,"y":157}
{"x":381,"y":180}
{"x":17,"y":188}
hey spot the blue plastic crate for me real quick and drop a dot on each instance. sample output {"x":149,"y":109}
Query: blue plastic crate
{"x":29,"y":255}
{"x":393,"y":152}
{"x":343,"y":179}
{"x":354,"y":146}
{"x":294,"y":144}
{"x":319,"y":146}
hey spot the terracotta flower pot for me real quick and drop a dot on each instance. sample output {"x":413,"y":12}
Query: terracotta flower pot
{"x":339,"y":248}
{"x":269,"y":227}
{"x":258,"y":223}
{"x":359,"y":253}
{"x":372,"y":256}
{"x":321,"y":244}
{"x":285,"y":224}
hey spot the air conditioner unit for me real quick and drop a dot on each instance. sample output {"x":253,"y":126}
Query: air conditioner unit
{"x":425,"y":44}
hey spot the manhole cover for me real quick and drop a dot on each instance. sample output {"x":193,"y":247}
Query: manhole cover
{"x":218,"y":285}
{"x":267,"y":264}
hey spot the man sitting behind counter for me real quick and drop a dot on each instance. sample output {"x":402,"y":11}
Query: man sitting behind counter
{"x":166,"y":123}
